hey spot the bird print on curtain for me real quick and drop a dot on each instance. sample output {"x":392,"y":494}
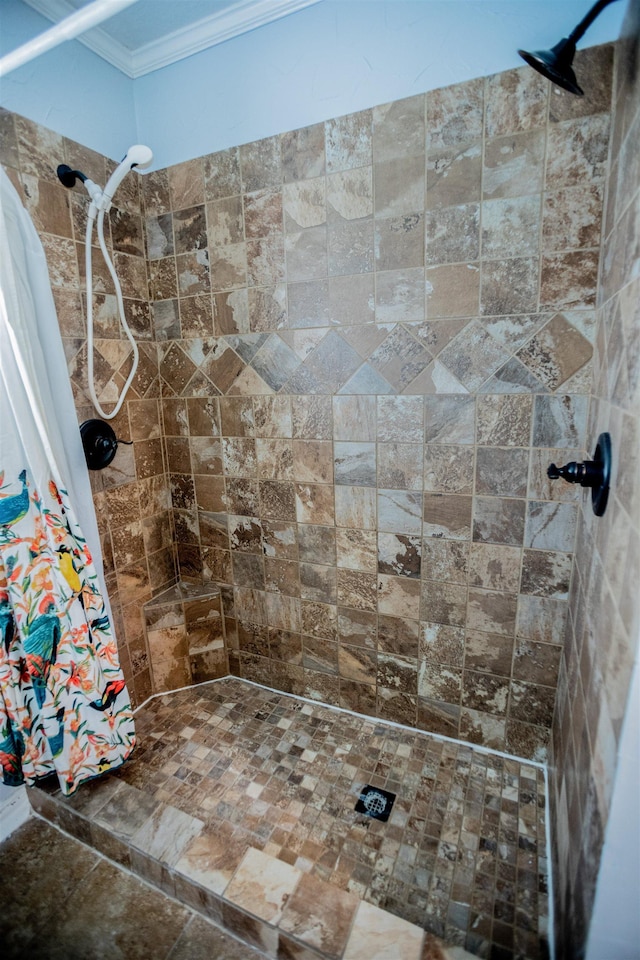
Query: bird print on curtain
{"x":64,"y":706}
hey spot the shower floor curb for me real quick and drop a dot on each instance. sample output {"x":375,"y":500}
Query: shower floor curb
{"x":367,"y":930}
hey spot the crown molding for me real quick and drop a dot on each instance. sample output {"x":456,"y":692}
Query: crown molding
{"x":243,"y":16}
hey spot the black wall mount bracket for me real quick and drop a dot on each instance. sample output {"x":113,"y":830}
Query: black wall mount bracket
{"x":594,"y":473}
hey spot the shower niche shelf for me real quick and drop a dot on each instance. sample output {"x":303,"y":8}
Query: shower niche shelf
{"x":185,"y":635}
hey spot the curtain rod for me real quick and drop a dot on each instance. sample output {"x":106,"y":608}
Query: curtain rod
{"x":72,"y":26}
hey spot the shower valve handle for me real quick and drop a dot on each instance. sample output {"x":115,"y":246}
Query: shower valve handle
{"x":587,"y":474}
{"x":595,"y":473}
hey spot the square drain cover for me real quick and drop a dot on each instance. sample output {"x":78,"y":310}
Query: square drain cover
{"x":375,"y":802}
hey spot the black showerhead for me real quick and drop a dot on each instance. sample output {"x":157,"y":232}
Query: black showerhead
{"x":556,"y":64}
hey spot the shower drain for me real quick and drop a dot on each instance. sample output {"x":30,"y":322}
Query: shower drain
{"x":375,"y":802}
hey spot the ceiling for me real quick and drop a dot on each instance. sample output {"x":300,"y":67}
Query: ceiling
{"x":151,"y":34}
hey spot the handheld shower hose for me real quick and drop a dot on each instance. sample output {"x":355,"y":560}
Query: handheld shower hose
{"x":137,"y":156}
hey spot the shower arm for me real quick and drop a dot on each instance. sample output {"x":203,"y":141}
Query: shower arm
{"x":578,"y":32}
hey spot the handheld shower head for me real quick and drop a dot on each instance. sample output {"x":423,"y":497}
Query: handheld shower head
{"x":136,"y":156}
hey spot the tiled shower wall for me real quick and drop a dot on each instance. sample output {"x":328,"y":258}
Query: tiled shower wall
{"x":132,"y":495}
{"x":604,"y":621}
{"x":372,"y":335}
{"x":375,"y":334}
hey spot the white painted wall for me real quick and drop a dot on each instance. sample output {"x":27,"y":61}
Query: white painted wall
{"x":327,"y":60}
{"x":340,"y":56}
{"x":70,"y":89}
{"x":614,"y":933}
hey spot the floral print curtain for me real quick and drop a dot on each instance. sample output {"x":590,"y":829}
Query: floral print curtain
{"x":64,"y":706}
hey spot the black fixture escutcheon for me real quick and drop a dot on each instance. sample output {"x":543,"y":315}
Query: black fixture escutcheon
{"x":99,"y":443}
{"x":594,"y":473}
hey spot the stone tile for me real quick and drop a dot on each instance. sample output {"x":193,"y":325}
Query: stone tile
{"x":510,"y":227}
{"x":442,"y":643}
{"x":400,"y":418}
{"x":551,"y":526}
{"x":443,"y":603}
{"x":455,"y":115}
{"x":211,"y":860}
{"x":541,"y":619}
{"x":577,"y":151}
{"x":312,"y":417}
{"x":398,"y":596}
{"x":314,"y":503}
{"x":399,"y":511}
{"x":357,"y":589}
{"x":484,"y":692}
{"x":453,"y":290}
{"x":448,"y":468}
{"x":504,"y":420}
{"x":354,"y":418}
{"x":515,"y":101}
{"x":400,"y":466}
{"x":399,"y":358}
{"x":39,"y":849}
{"x":454,"y":175}
{"x":592,"y":61}
{"x":569,"y":280}
{"x":572,"y":217}
{"x":447,"y":515}
{"x":166,"y":833}
{"x":320,"y":915}
{"x":201,"y":940}
{"x":533,"y":703}
{"x":357,"y":627}
{"x":400,"y":295}
{"x":536,"y":662}
{"x":375,"y":934}
{"x":514,"y":165}
{"x":348,"y":141}
{"x":492,"y":612}
{"x":399,"y":242}
{"x":356,"y":507}
{"x":445,"y":560}
{"x":453,"y":234}
{"x":546,"y":574}
{"x":399,"y":554}
{"x":355,"y":464}
{"x":449,"y":419}
{"x":356,"y":549}
{"x":152,"y":921}
{"x":303,"y":153}
{"x":494,"y":567}
{"x":490,"y":653}
{"x":559,"y":421}
{"x":509,"y":286}
{"x":502,"y":471}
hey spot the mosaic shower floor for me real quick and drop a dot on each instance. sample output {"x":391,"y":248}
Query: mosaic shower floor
{"x":229,"y":778}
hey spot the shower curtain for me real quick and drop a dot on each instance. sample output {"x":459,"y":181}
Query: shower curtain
{"x":64,"y":706}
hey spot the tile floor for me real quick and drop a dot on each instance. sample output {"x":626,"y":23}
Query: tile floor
{"x":247,"y":796}
{"x":43,"y":875}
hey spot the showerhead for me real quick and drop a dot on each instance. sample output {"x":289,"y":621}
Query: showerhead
{"x":136,"y":156}
{"x":556,"y":65}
